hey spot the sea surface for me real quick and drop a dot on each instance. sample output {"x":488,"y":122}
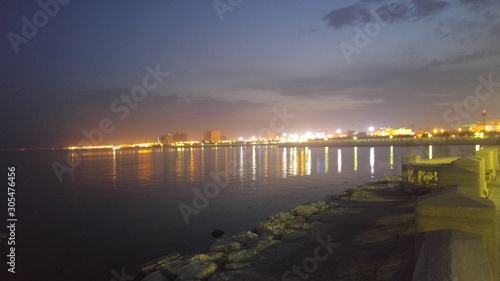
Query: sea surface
{"x":117,"y":209}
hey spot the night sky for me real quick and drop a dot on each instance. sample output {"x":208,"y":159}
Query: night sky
{"x":235,"y":65}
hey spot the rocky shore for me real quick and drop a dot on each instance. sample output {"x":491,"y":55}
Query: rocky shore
{"x":365,"y":233}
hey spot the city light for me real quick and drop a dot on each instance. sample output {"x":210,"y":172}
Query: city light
{"x":476,"y":130}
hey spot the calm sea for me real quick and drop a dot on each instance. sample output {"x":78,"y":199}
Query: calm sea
{"x":118,"y":209}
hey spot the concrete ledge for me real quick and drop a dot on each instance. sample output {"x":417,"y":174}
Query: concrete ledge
{"x":456,"y":208}
{"x":452,"y":255}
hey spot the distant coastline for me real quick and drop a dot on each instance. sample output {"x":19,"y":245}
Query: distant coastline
{"x":337,"y":142}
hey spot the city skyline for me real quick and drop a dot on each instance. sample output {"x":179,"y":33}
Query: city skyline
{"x":128,"y":72}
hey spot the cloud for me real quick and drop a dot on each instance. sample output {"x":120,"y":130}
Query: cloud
{"x":352,"y":15}
{"x":364,"y":12}
{"x":462,"y":59}
{"x":316,"y":87}
{"x":425,"y":8}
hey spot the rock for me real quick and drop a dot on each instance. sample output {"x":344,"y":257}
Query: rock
{"x":261,"y":243}
{"x":291,"y":235}
{"x":197,"y":270}
{"x":310,"y":208}
{"x":305,"y":210}
{"x":284,"y":217}
{"x":156,"y":276}
{"x":225,"y":246}
{"x":171,"y":268}
{"x":299,"y":223}
{"x":350,"y":193}
{"x":321,"y":205}
{"x":216,"y":256}
{"x":240,"y":256}
{"x":244,"y":236}
{"x":199,"y":257}
{"x":298,"y":226}
{"x":270,"y":227}
{"x":238,"y":265}
{"x":217,"y":233}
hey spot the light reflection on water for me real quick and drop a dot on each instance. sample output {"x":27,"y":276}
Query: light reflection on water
{"x":244,"y":165}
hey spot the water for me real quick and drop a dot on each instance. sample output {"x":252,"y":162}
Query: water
{"x":118,"y":209}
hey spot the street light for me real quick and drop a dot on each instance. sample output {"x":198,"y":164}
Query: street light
{"x":484,"y":120}
{"x":371,"y":129}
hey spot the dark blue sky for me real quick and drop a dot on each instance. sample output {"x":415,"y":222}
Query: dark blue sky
{"x":232,"y":69}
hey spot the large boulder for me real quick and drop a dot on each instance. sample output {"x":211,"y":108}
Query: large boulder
{"x":298,"y":223}
{"x":240,"y":256}
{"x":270,"y":227}
{"x":244,"y":236}
{"x":225,"y":246}
{"x":197,"y":270}
{"x":261,"y":243}
{"x":305,"y":211}
{"x":284,"y":217}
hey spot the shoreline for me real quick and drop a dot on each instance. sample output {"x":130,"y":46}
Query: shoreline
{"x":338,"y":143}
{"x":365,"y":231}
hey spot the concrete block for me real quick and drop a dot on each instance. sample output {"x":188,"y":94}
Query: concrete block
{"x":457,"y":188}
{"x":459,"y":210}
{"x":452,"y":175}
{"x":452,"y":255}
{"x":490,"y":157}
{"x":476,"y":164}
{"x":413,"y":158}
{"x":437,"y":161}
{"x":495,"y":158}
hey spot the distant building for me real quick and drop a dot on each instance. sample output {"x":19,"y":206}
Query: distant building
{"x":166,"y":139}
{"x":479,"y":126}
{"x":388,"y":131}
{"x":212,"y":136}
{"x":180,"y":137}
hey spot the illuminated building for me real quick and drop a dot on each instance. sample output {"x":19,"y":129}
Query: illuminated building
{"x":212,"y":136}
{"x":166,"y":139}
{"x":180,"y":137}
{"x":389,"y":131}
{"x":479,"y":126}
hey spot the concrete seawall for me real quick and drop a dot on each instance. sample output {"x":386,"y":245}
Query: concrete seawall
{"x":456,"y":227}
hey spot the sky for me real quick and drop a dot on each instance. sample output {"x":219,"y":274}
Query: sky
{"x":113,"y":72}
